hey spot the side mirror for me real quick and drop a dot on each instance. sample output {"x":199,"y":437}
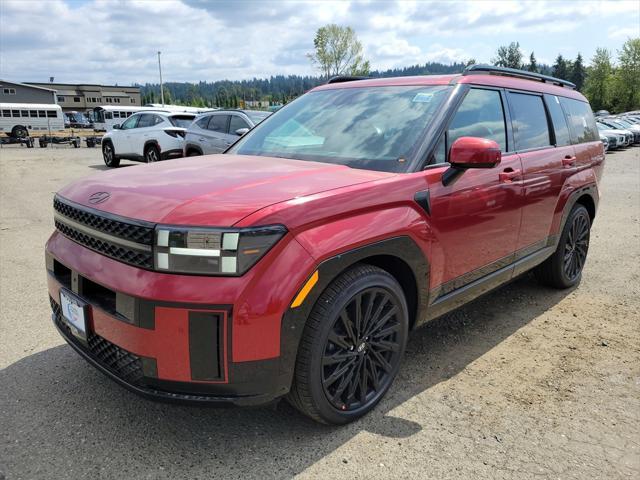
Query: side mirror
{"x":116,"y":126}
{"x":474,"y":152}
{"x":241,"y":131}
{"x":470,"y":152}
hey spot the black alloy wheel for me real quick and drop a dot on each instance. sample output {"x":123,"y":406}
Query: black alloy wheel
{"x":361,"y":349}
{"x":564,"y":268}
{"x":351,"y":347}
{"x":576,"y":247}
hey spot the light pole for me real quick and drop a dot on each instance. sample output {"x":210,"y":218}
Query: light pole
{"x":161,"y":87}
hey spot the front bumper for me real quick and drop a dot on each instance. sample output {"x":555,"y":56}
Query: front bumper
{"x":158,"y":322}
{"x":129,"y":371}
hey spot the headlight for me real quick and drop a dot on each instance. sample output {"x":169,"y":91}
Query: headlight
{"x":212,"y":251}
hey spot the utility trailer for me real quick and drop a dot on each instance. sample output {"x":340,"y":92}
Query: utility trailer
{"x":47,"y":139}
{"x":93,"y":141}
{"x":28,"y":141}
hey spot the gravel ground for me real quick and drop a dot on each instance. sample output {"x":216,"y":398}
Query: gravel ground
{"x":526,"y":382}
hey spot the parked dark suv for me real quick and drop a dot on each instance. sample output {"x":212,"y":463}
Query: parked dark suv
{"x":297,"y":263}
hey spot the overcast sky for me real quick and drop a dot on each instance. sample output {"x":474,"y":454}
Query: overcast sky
{"x":116,"y":41}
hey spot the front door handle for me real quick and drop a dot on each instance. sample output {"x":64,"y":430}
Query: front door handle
{"x":569,"y":161}
{"x":508,"y":175}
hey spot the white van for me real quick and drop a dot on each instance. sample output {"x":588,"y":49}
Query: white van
{"x":18,"y":119}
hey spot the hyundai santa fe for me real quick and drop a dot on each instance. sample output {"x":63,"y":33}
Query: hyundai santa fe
{"x":297,"y":263}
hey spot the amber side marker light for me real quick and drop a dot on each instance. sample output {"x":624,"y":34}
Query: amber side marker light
{"x":305,"y":290}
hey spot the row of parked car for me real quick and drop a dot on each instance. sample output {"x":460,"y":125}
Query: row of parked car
{"x":151,"y":136}
{"x":618,"y":131}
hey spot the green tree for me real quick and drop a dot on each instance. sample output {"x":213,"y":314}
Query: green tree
{"x":533,"y":64}
{"x":578,"y":72}
{"x":626,"y":79}
{"x":508,"y":56}
{"x":560,"y":68}
{"x":597,"y":86}
{"x":338,"y":52}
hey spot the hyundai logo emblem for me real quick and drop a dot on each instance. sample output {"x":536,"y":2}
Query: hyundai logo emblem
{"x":99,"y":197}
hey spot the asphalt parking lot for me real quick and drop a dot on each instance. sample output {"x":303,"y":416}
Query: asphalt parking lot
{"x":526,"y":382}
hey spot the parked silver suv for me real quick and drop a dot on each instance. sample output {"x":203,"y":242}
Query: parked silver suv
{"x":213,"y":132}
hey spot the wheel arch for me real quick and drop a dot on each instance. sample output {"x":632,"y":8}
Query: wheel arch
{"x":150,"y":143}
{"x":190,"y":147}
{"x":400,"y":256}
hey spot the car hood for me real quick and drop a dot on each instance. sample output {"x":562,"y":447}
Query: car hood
{"x":214,"y":190}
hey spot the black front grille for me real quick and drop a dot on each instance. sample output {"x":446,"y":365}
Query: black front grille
{"x":120,"y":362}
{"x":124,"y":254}
{"x":123,"y":229}
{"x":118,"y":238}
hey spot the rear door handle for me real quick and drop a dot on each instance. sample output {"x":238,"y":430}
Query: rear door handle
{"x":569,"y":161}
{"x":508,"y":175}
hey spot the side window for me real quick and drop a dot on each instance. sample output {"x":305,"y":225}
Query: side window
{"x":529,"y":120}
{"x":218,"y":123}
{"x":158,"y":119}
{"x":130,"y":123}
{"x":202,"y":122}
{"x":480,"y":115}
{"x":15,"y":113}
{"x":52,"y":114}
{"x":581,"y":122}
{"x":237,"y":123}
{"x":146,"y":120}
{"x":560,"y":127}
{"x":42,"y":114}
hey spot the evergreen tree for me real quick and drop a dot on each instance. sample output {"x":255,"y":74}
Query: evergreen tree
{"x":578,"y":72}
{"x":533,"y":64}
{"x":560,"y":68}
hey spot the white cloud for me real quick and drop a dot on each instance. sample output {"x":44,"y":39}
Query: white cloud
{"x":116,"y":40}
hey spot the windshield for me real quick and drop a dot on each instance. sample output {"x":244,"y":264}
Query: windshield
{"x":374,"y":128}
{"x":182,"y":121}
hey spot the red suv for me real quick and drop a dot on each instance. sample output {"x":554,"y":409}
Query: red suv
{"x":296,"y":263}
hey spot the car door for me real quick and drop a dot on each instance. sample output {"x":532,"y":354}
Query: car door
{"x":216,"y":133}
{"x":139,"y":135}
{"x":547,"y":158}
{"x":120,"y":137}
{"x":476,"y":219}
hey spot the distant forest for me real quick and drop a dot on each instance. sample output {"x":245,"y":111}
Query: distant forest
{"x":276,"y":90}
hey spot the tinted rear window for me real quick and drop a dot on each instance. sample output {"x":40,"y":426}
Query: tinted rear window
{"x":560,"y":127}
{"x":581,"y":122}
{"x":182,"y":121}
{"x":529,"y":120}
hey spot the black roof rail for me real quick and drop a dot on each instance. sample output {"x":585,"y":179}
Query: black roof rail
{"x":514,"y":72}
{"x":345,"y":78}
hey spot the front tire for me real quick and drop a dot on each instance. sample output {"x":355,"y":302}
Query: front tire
{"x":152,"y":154}
{"x":109,"y":155}
{"x":351,"y":347}
{"x":19,"y":131}
{"x":563,"y":269}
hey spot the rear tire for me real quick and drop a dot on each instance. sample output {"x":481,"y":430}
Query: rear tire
{"x":344,"y":365}
{"x":563,"y":269}
{"x":109,"y":155}
{"x":193,"y":153}
{"x":152,"y":154}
